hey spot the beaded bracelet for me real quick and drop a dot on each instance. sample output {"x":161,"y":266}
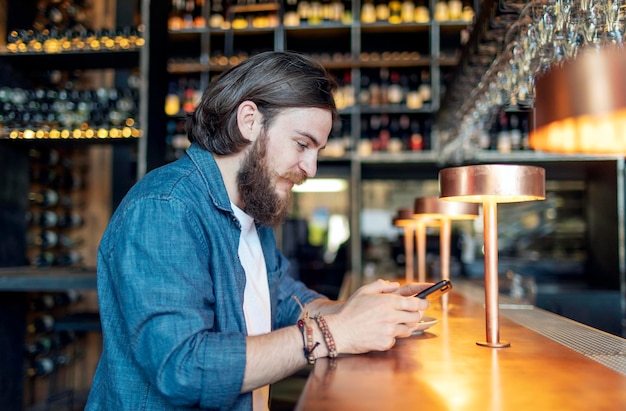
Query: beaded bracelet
{"x":307,"y":334}
{"x":328,"y":337}
{"x":307,"y":339}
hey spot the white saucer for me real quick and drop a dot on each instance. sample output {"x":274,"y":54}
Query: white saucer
{"x":425,"y":323}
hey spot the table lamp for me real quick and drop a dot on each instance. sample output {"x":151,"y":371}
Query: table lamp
{"x":432,"y":208}
{"x":404,"y":219}
{"x":420,"y":240}
{"x":489,"y":185}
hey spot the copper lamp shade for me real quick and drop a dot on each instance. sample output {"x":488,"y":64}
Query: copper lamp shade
{"x":403,"y":218}
{"x":501,"y":183}
{"x":444,"y":212}
{"x":433,"y":207}
{"x":580,"y":106}
{"x":491,"y":184}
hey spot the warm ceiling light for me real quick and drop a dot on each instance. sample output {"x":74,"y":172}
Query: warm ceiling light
{"x":321,"y":185}
{"x":580,"y":106}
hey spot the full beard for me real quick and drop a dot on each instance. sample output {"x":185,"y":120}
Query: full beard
{"x":257,"y":187}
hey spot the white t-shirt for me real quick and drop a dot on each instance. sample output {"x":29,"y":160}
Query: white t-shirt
{"x":256,"y":298}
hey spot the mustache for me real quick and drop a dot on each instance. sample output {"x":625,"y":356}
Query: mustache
{"x":295,"y":177}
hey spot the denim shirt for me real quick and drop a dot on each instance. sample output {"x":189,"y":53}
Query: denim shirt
{"x":170,"y":291}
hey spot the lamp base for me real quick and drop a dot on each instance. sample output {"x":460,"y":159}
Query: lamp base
{"x":497,"y":344}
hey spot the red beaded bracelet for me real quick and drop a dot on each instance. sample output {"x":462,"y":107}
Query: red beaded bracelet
{"x":328,"y":337}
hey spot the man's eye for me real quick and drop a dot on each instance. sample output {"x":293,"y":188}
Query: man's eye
{"x":301,"y":145}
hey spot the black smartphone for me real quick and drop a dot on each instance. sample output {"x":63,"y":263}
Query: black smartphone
{"x":435,"y":291}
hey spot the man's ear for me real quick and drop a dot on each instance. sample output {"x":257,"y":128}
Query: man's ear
{"x":249,"y":120}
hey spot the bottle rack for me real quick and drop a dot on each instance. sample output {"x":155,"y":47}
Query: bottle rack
{"x":56,"y":213}
{"x":364,"y":44}
{"x":73,"y":111}
{"x":51,"y":350}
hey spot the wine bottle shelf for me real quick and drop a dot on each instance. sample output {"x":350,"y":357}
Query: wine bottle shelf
{"x":331,"y":61}
{"x":52,"y":42}
{"x":90,"y":134}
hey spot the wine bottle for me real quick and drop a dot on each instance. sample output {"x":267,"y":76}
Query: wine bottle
{"x":45,"y":176}
{"x":346,"y":17}
{"x":337,"y":10}
{"x":394,"y":145}
{"x":216,"y":19}
{"x":525,"y":133}
{"x":43,"y":260}
{"x":427,"y":132}
{"x":63,"y":338}
{"x":348,"y":89}
{"x":384,"y":134}
{"x":515,"y":132}
{"x":66,"y":298}
{"x":368,"y":12}
{"x":384,"y":85}
{"x":404,"y":122}
{"x":47,"y":219}
{"x":395,"y":12}
{"x":346,"y":135}
{"x":42,"y":302}
{"x":503,"y":138}
{"x":303,"y":9}
{"x":70,"y":242}
{"x":175,"y":18}
{"x":395,"y":92}
{"x":424,"y":87}
{"x":45,"y":198}
{"x":172,"y":100}
{"x":41,"y":324}
{"x":365,"y":143}
{"x":68,"y":258}
{"x":422,"y":14}
{"x":188,"y":13}
{"x":375,"y":92}
{"x":41,"y":367}
{"x":374,"y":131}
{"x":416,"y":142}
{"x":414,"y":99}
{"x":442,"y":12}
{"x":291,"y":17}
{"x":71,"y":219}
{"x":315,"y":13}
{"x":382,"y":11}
{"x":40,"y":346}
{"x":364,"y":95}
{"x":407,"y":12}
{"x":199,"y":21}
{"x":455,"y":9}
{"x":45,"y":240}
{"x":239,"y":22}
{"x":468,"y":12}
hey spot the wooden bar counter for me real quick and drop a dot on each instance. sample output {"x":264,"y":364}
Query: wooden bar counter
{"x":552,"y":364}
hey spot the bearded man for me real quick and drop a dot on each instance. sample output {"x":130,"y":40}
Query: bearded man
{"x":197,"y":308}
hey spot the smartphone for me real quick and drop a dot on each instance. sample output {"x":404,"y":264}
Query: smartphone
{"x":435,"y":291}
